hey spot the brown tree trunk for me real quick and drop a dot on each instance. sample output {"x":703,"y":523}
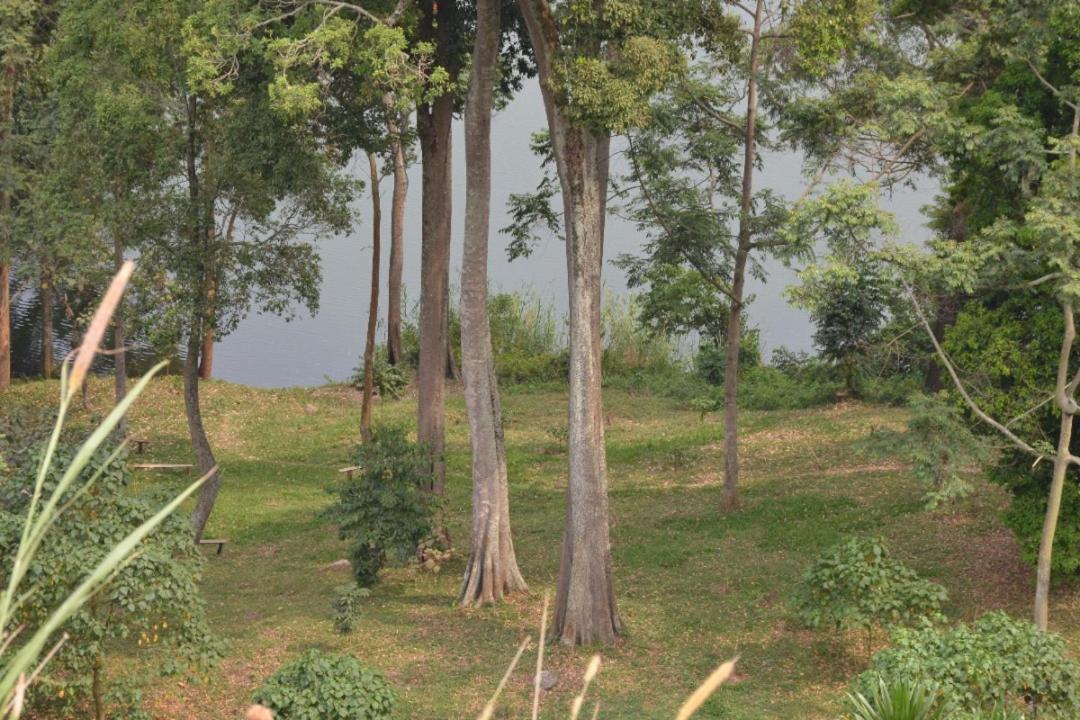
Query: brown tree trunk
{"x":119,"y":342}
{"x":46,"y":325}
{"x":373,"y":304}
{"x":206,"y":355}
{"x":397,"y":248}
{"x":492,"y":570}
{"x":433,"y":125}
{"x":738,"y":278}
{"x":585,"y":610}
{"x":7,"y":115}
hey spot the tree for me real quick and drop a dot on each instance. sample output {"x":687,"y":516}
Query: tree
{"x":997,"y":113}
{"x":373,"y":304}
{"x":492,"y":569}
{"x":692,"y":181}
{"x":597,"y":70}
{"x":246,"y":187}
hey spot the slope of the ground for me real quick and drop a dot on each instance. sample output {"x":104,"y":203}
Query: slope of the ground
{"x":695,"y":587}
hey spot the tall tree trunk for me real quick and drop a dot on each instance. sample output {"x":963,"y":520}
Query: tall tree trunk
{"x":46,"y":325}
{"x":373,"y":304}
{"x":202,"y":230}
{"x":206,"y":355}
{"x":119,"y":342}
{"x":585,"y":610}
{"x":200,"y":443}
{"x":492,"y":570}
{"x":7,"y":116}
{"x":738,"y":277}
{"x":433,"y":125}
{"x":1065,"y":399}
{"x":397,"y":247}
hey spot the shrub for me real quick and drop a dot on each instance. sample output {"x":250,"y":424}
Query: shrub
{"x":327,"y":686}
{"x":940,"y":447}
{"x":998,"y":663}
{"x":151,"y":607}
{"x":390,"y":380}
{"x":891,"y":389}
{"x":346,"y":607}
{"x":895,"y":701}
{"x":385,"y":509}
{"x":629,"y":346}
{"x":767,"y":388}
{"x":856,"y":585}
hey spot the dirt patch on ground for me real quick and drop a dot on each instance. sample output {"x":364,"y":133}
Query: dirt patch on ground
{"x":990,"y":566}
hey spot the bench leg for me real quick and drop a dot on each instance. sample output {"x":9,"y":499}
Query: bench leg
{"x":220,"y":547}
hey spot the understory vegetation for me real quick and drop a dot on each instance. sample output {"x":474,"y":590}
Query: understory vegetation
{"x":688,"y":605}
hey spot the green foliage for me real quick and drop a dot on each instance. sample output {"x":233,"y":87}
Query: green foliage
{"x":710,"y":362}
{"x":629,"y":347}
{"x":348,"y":600}
{"x":895,"y":701}
{"x":996,"y":663}
{"x":857,"y":585}
{"x":151,"y":607}
{"x":327,"y":686}
{"x":385,"y":509}
{"x":823,"y":30}
{"x":390,"y":380}
{"x":769,"y":388}
{"x":940,"y":446}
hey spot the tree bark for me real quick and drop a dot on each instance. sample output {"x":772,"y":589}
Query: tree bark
{"x":585,"y":610}
{"x":201,"y":231}
{"x":373,"y":304}
{"x":200,"y":443}
{"x":7,"y":115}
{"x":738,"y":279}
{"x":119,"y":342}
{"x":46,"y":325}
{"x":397,"y":248}
{"x":433,"y":125}
{"x":206,"y":355}
{"x":492,"y":570}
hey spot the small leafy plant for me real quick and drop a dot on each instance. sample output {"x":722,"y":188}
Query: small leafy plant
{"x":390,"y":380}
{"x":998,"y":664}
{"x":327,"y":686}
{"x":895,"y":701}
{"x":940,"y":446}
{"x":385,"y":509}
{"x":346,"y":607}
{"x":856,"y":585}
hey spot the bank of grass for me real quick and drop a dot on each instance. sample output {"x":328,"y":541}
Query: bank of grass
{"x":694,"y":587}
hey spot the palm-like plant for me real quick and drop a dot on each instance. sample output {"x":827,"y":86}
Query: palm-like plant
{"x":896,"y":701}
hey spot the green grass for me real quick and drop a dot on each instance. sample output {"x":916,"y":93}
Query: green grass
{"x":695,"y":587}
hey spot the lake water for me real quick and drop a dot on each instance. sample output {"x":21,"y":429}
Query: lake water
{"x":267,"y":351}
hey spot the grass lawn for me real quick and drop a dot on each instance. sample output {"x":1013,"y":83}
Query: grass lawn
{"x":695,"y":587}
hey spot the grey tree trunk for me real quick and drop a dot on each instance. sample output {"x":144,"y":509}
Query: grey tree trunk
{"x":585,"y":610}
{"x":119,"y":341}
{"x":397,"y":248}
{"x":200,"y":443}
{"x":373,"y":304}
{"x":433,"y":124}
{"x":738,"y":279}
{"x":492,"y":570}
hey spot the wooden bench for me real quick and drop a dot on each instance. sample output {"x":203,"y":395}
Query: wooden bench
{"x":140,"y":444}
{"x":349,"y":471}
{"x":187,"y":467}
{"x":220,"y":542}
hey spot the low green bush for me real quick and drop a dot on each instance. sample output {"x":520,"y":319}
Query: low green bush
{"x":346,"y":605}
{"x":857,"y":585}
{"x":390,"y":380}
{"x":997,"y":664}
{"x":327,"y":686}
{"x":385,"y":508}
{"x":150,"y":609}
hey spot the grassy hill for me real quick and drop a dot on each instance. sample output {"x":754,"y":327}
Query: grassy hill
{"x":695,"y":587}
